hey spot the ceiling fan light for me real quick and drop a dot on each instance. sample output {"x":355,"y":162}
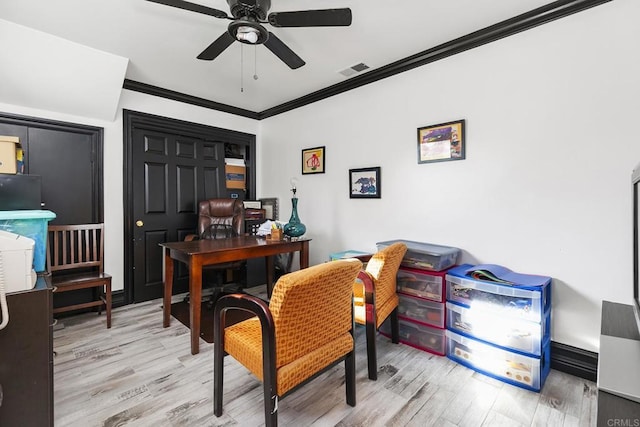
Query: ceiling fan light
{"x":248,"y":34}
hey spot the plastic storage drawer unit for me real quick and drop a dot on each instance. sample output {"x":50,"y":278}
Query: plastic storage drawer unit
{"x":524,"y":302}
{"x":425,"y":256}
{"x":422,"y":337}
{"x":32,"y":224}
{"x":420,"y":283}
{"x":520,"y":335}
{"x":513,"y":368}
{"x":421,"y":310}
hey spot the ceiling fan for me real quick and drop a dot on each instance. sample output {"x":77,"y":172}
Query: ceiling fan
{"x":247,"y":17}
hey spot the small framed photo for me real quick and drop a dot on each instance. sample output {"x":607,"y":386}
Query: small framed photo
{"x":365,"y":183}
{"x":313,"y":160}
{"x":442,"y":142}
{"x":252,"y":204}
{"x":270,"y":206}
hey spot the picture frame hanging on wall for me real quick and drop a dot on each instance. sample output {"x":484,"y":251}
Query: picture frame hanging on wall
{"x":313,"y":160}
{"x":365,"y":183}
{"x":442,"y":142}
{"x":270,"y":206}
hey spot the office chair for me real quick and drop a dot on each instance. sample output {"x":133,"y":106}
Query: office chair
{"x":221,"y":219}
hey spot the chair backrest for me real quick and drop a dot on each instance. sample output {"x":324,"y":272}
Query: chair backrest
{"x":383,"y":266}
{"x":312,"y":307}
{"x":220,"y":218}
{"x":79,"y":246}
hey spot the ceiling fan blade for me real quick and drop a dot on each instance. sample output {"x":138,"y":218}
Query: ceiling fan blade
{"x":217,"y":47}
{"x":283,"y":52}
{"x":312,"y":18}
{"x":180,"y":4}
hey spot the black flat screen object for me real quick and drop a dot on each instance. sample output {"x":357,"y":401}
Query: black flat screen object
{"x":619,"y":358}
{"x":20,"y":192}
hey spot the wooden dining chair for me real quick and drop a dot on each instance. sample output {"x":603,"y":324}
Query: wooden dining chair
{"x":75,"y":255}
{"x":306,"y":328}
{"x":375,"y":298}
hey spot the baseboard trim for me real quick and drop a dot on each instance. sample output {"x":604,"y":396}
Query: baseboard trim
{"x":574,"y":361}
{"x":118,"y":299}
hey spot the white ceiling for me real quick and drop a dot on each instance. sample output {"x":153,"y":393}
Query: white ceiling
{"x":162,"y":42}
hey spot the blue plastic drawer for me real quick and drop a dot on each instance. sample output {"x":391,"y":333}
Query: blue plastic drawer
{"x":422,"y":337}
{"x":523,"y":371}
{"x":420,"y":283}
{"x":425,"y":256}
{"x":421,"y":310}
{"x":520,"y":335}
{"x":528,"y":303}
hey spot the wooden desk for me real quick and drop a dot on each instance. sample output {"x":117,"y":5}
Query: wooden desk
{"x":199,"y":253}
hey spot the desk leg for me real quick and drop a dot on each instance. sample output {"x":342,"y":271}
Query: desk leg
{"x":304,"y":255}
{"x":195,"y":306}
{"x":168,"y":288}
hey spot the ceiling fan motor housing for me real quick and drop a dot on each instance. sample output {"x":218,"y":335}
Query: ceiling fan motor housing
{"x":249,"y":8}
{"x":241,"y":25}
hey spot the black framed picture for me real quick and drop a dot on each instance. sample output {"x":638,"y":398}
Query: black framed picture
{"x":313,"y":160}
{"x":365,"y":183}
{"x":441,"y":142}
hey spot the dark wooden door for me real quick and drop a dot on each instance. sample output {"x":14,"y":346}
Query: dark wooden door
{"x":66,"y":162}
{"x":68,"y":157}
{"x":170,"y":166}
{"x":171,"y":173}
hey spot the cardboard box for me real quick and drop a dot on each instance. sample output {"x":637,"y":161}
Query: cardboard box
{"x":235,"y":176}
{"x":8,"y":149}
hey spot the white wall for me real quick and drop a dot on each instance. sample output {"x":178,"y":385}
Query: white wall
{"x":545,"y":188}
{"x":113,"y":157}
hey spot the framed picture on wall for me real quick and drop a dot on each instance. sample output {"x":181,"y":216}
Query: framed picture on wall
{"x":270,"y":206}
{"x":442,"y":142}
{"x":313,"y":160}
{"x":365,"y":183}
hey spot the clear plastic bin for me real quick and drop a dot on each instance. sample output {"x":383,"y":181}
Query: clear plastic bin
{"x":420,"y":336}
{"x":521,"y":302}
{"x":32,"y":224}
{"x":521,"y":335}
{"x":425,"y":256}
{"x":421,"y":310}
{"x":510,"y":367}
{"x":420,"y":283}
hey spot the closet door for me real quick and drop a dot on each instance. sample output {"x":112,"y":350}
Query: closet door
{"x":66,"y":162}
{"x":68,"y":157}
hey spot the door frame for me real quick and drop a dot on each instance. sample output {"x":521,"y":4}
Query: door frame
{"x":135,"y":119}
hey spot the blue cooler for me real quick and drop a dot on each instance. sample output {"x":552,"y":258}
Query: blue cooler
{"x":32,"y":224}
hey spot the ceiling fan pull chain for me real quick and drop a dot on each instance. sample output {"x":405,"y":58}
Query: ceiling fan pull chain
{"x":241,"y":68}
{"x":255,"y":63}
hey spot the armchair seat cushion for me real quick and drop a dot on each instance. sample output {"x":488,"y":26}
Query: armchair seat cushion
{"x":243,"y":341}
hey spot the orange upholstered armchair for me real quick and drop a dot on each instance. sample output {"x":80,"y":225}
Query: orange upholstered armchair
{"x":306,"y":328}
{"x":375,"y":298}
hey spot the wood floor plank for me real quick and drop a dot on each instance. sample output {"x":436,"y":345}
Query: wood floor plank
{"x":140,"y":374}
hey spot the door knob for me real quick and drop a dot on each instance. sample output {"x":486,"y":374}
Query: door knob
{"x":139,"y":223}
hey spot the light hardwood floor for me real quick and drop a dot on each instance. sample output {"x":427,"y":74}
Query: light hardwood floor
{"x":140,"y":374}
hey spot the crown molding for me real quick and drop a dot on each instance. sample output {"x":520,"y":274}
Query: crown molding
{"x":542,"y":15}
{"x":187,"y":99}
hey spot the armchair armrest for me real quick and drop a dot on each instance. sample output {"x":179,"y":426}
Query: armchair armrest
{"x":190,"y":237}
{"x":369,"y":295}
{"x":260,"y":308}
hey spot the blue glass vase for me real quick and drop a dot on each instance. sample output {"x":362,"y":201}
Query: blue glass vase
{"x":294,"y":227}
